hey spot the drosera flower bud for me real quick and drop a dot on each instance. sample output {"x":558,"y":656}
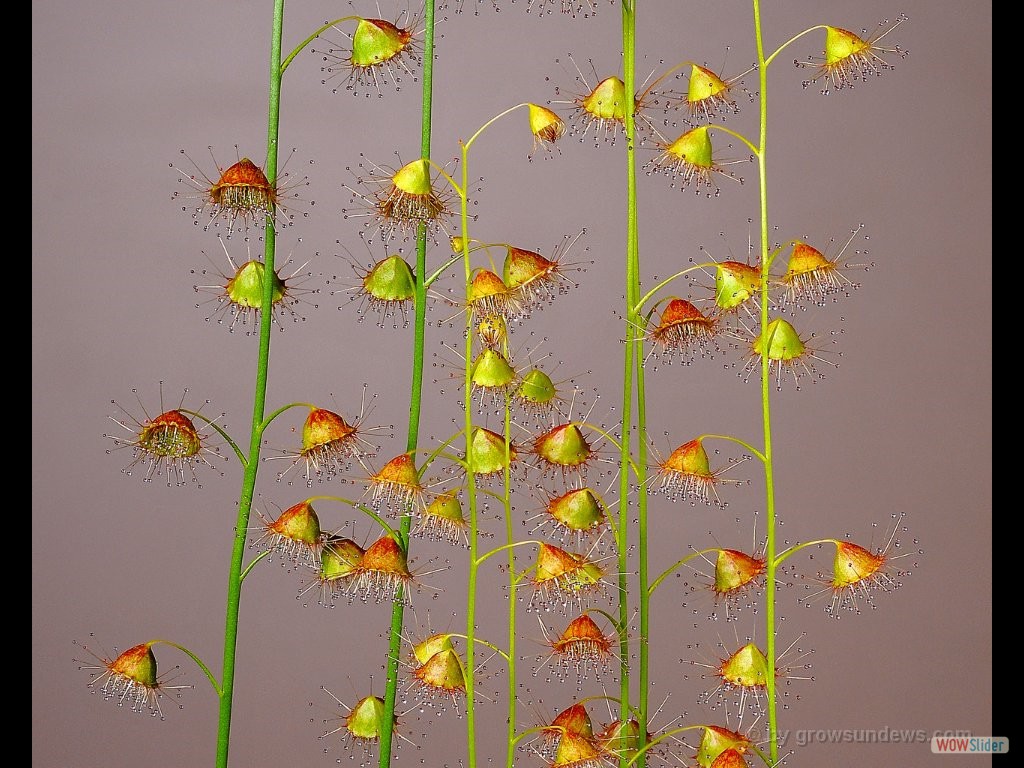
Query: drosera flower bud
{"x":737,"y":284}
{"x":574,"y":719}
{"x":339,"y":559}
{"x":492,"y":331}
{"x":167,"y":445}
{"x":577,"y":751}
{"x":238,"y":296}
{"x":396,"y":487}
{"x":424,"y":649}
{"x":440,"y":679}
{"x":443,"y":520}
{"x":536,"y":280}
{"x":487,"y":451}
{"x":708,"y":95}
{"x":717,"y":739}
{"x":546,"y":126}
{"x":487,"y":296}
{"x":361,"y":726}
{"x":850,"y":58}
{"x":577,"y":515}
{"x":563,"y":451}
{"x":730,"y":758}
{"x":329,"y":444}
{"x":860,"y":573}
{"x":736,"y":572}
{"x":295,"y":536}
{"x":622,"y":739}
{"x":812,"y":277}
{"x":787,"y":352}
{"x":382,"y":575}
{"x":682,"y":332}
{"x":389,"y":286}
{"x":241,"y":195}
{"x":492,"y":376}
{"x":563,"y":578}
{"x":743,"y":678}
{"x":686,"y":474}
{"x":380,"y":54}
{"x":131,"y":679}
{"x":580,"y":649}
{"x":690,"y":162}
{"x":396,"y":202}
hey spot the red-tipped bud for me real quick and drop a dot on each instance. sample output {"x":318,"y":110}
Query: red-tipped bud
{"x":397,"y":484}
{"x":423,"y":650}
{"x":717,"y":740}
{"x":171,"y":435}
{"x":385,"y":556}
{"x":608,"y":100}
{"x":339,"y":558}
{"x":583,"y":641}
{"x":322,"y":429}
{"x":137,"y":665}
{"x":443,"y":519}
{"x":545,"y":125}
{"x":523,"y":267}
{"x":563,"y":447}
{"x":575,"y":751}
{"x":298,"y":523}
{"x":730,"y":758}
{"x":734,"y":571}
{"x":488,"y":295}
{"x":854,"y":565}
{"x":747,"y":668}
{"x":243,"y":189}
{"x":376,"y":41}
{"x":735,"y":283}
{"x":442,"y":673}
{"x":578,"y":510}
{"x":575,"y":720}
{"x":390,"y":281}
{"x":487,"y":449}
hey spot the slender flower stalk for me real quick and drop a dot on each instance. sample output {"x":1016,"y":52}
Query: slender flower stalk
{"x":416,"y":397}
{"x":258,"y":406}
{"x":632,"y":296}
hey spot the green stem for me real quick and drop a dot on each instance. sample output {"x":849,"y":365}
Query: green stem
{"x":671,"y":569}
{"x":769,"y":474}
{"x":252,"y":565}
{"x":400,"y":539}
{"x":647,"y":296}
{"x":219,"y":431}
{"x":416,"y":396}
{"x":632,"y":300}
{"x":323,"y":28}
{"x":234,"y":594}
{"x":628,"y":49}
{"x":512,"y":589}
{"x":736,"y":440}
{"x":196,"y":659}
{"x":474,"y":522}
{"x":787,"y":553}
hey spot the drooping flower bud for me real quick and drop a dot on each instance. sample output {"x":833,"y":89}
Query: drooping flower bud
{"x":716,"y":740}
{"x":736,"y":283}
{"x":443,"y":519}
{"x":563,"y":449}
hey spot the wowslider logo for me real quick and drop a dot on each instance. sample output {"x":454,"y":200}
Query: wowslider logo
{"x":963,"y":745}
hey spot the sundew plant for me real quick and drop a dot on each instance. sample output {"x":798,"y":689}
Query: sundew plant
{"x":530,"y":474}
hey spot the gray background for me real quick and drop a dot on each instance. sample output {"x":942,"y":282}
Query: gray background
{"x":903,"y":426}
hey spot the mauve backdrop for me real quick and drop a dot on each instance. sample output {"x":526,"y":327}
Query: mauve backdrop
{"x":902,"y":426}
